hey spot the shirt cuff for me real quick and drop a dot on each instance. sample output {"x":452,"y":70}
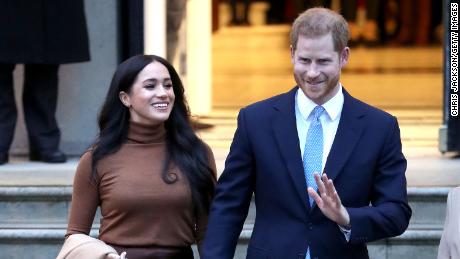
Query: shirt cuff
{"x":346,"y":232}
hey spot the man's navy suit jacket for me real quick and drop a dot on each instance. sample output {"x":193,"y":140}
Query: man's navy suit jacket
{"x":365,"y":163}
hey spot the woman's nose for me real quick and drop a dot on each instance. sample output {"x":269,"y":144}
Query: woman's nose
{"x":161,"y":92}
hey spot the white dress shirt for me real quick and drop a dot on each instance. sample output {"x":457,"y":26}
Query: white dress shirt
{"x":329,"y":120}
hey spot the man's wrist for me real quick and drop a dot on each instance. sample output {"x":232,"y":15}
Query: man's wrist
{"x":346,"y":222}
{"x":346,"y":226}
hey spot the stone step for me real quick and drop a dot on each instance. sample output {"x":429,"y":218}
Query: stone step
{"x":48,"y":206}
{"x":34,"y":219}
{"x":420,"y":244}
{"x":45,"y":243}
{"x":35,"y":206}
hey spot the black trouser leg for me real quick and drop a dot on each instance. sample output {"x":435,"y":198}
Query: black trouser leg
{"x":8,"y":111}
{"x":39,"y":101}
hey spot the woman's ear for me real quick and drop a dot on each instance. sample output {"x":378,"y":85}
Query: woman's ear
{"x":124,"y":98}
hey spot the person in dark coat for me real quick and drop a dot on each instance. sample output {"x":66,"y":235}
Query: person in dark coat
{"x":41,"y":34}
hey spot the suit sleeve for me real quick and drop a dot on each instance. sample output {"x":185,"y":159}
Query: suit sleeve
{"x":232,"y":198}
{"x":389,"y":212}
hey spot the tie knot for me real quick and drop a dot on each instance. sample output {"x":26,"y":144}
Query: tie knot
{"x":317,"y":111}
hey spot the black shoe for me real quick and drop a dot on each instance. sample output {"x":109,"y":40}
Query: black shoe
{"x":55,"y":156}
{"x":3,"y":158}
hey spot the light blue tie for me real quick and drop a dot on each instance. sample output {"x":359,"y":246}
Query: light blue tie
{"x":313,"y":153}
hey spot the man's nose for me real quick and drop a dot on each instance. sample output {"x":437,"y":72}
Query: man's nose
{"x":312,"y":71}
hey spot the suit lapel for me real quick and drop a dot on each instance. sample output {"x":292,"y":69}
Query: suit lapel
{"x":285,"y":131}
{"x":348,"y":133}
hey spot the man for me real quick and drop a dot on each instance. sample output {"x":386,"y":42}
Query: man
{"x":282,"y":143}
{"x":42,"y":35}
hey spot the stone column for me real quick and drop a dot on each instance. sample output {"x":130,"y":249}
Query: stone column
{"x":155,"y":27}
{"x":199,"y":89}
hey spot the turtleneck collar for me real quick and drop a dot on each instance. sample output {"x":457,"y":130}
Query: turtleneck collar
{"x":146,"y":134}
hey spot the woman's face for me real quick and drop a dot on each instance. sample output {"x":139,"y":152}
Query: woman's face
{"x":151,"y":98}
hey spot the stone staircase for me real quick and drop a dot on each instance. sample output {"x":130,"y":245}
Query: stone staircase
{"x":33,"y":220}
{"x":420,"y":240}
{"x":35,"y":197}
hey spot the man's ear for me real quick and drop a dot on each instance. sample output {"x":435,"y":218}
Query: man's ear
{"x":124,"y":98}
{"x":292,"y":54}
{"x":344,"y":55}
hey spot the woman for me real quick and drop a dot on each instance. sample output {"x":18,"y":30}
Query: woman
{"x":152,"y":177}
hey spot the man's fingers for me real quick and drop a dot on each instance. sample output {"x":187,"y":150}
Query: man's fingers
{"x":330,"y":187}
{"x":325,"y":185}
{"x":315,"y":196}
{"x":336,"y":200}
{"x":312,"y":193}
{"x":324,"y":179}
{"x":327,"y":192}
{"x":332,"y":193}
{"x":320,"y":184}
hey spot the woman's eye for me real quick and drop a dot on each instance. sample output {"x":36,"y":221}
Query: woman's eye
{"x":168,"y":85}
{"x":149,"y":86}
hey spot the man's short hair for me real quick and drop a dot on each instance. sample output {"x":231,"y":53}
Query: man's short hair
{"x":316,"y":22}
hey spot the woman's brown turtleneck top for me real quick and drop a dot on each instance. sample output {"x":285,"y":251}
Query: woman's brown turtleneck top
{"x":138,"y":208}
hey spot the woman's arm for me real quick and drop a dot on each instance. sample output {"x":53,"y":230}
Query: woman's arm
{"x":85,"y":198}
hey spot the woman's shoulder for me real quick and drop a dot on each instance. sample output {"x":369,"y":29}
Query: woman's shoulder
{"x":207,"y":147}
{"x":87,"y":156}
{"x":211,"y":159}
{"x":208,"y":151}
{"x":88,"y":153}
{"x":85,"y":164}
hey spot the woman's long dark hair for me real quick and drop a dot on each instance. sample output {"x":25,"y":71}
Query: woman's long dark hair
{"x":184,"y":148}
